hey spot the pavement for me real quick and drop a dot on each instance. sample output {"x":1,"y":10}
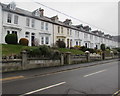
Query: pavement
{"x":100,"y":77}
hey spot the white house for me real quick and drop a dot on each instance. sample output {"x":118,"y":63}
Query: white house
{"x":46,"y":31}
{"x":30,"y":25}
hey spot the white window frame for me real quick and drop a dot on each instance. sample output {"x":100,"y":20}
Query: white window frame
{"x":58,"y":29}
{"x":33,"y":23}
{"x":46,"y":25}
{"x":9,"y":18}
{"x":68,"y":31}
{"x":61,"y":29}
{"x":42,"y":40}
{"x":28,"y":22}
{"x":15,"y":19}
{"x":46,"y":40}
{"x":42,"y":25}
{"x":27,"y":34}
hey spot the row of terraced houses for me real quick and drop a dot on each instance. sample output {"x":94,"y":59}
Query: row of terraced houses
{"x":34,"y":25}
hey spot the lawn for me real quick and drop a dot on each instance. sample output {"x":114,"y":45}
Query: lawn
{"x":9,"y":49}
{"x":73,"y":51}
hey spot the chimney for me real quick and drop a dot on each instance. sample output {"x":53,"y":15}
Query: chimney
{"x":68,"y":22}
{"x":41,"y":12}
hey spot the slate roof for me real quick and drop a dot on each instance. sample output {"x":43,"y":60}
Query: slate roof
{"x":44,"y":18}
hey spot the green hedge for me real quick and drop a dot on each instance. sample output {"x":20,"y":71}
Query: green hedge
{"x":11,"y":39}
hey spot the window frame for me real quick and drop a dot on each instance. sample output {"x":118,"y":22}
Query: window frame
{"x":42,"y":40}
{"x":27,"y":22}
{"x":46,"y":40}
{"x":33,"y":23}
{"x":15,"y":19}
{"x":9,"y":18}
{"x":46,"y":26}
{"x":42,"y":25}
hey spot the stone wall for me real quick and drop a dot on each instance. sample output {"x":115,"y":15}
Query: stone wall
{"x":26,"y":63}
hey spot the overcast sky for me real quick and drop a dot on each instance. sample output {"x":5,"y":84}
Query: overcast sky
{"x":101,"y":15}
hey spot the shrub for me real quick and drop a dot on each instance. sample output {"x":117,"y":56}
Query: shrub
{"x":102,"y":47}
{"x":99,"y":51}
{"x":35,"y":52}
{"x":91,"y":50}
{"x":76,"y":47}
{"x":71,"y":47}
{"x":108,"y":48}
{"x":83,"y":48}
{"x":23,"y":41}
{"x":115,"y":51}
{"x":45,"y":50}
{"x":11,"y":39}
{"x":61,"y":44}
{"x":55,"y":54}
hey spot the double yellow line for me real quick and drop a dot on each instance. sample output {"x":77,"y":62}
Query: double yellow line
{"x":11,"y":78}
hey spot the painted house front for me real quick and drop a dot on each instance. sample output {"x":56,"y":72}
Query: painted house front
{"x":42,"y":30}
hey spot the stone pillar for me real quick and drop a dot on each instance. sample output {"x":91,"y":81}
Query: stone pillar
{"x":87,"y":56}
{"x":24,"y":59}
{"x":68,"y":57}
{"x":112,"y":54}
{"x":62,"y":59}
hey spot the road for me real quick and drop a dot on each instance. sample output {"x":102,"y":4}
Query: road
{"x":99,"y":79}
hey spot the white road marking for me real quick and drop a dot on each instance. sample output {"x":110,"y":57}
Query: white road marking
{"x":94,"y":73}
{"x":43,"y":89}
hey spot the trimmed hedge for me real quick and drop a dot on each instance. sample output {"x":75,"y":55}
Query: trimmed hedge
{"x":23,"y":41}
{"x":11,"y":39}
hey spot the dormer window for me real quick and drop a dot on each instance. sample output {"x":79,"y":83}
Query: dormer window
{"x":55,"y":18}
{"x":38,"y":12}
{"x":12,"y":6}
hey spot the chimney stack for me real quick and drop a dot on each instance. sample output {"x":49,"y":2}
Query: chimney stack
{"x":41,"y":12}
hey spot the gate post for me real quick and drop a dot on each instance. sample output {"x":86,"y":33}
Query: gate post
{"x":68,"y":57}
{"x":62,"y":59}
{"x":24,"y":59}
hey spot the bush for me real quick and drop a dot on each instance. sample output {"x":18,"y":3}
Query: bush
{"x":61,"y":44}
{"x":91,"y":50}
{"x":11,"y":39}
{"x":76,"y":47}
{"x":102,"y":47}
{"x":42,"y":50}
{"x":23,"y":41}
{"x":45,"y":50}
{"x":55,"y":54}
{"x":99,"y":51}
{"x":83,"y":48}
{"x":35,"y":52}
{"x":108,"y":48}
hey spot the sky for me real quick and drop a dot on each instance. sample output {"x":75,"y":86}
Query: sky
{"x":98,"y":14}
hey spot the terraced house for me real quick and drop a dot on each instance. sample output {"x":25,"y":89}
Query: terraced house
{"x":35,"y":26}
